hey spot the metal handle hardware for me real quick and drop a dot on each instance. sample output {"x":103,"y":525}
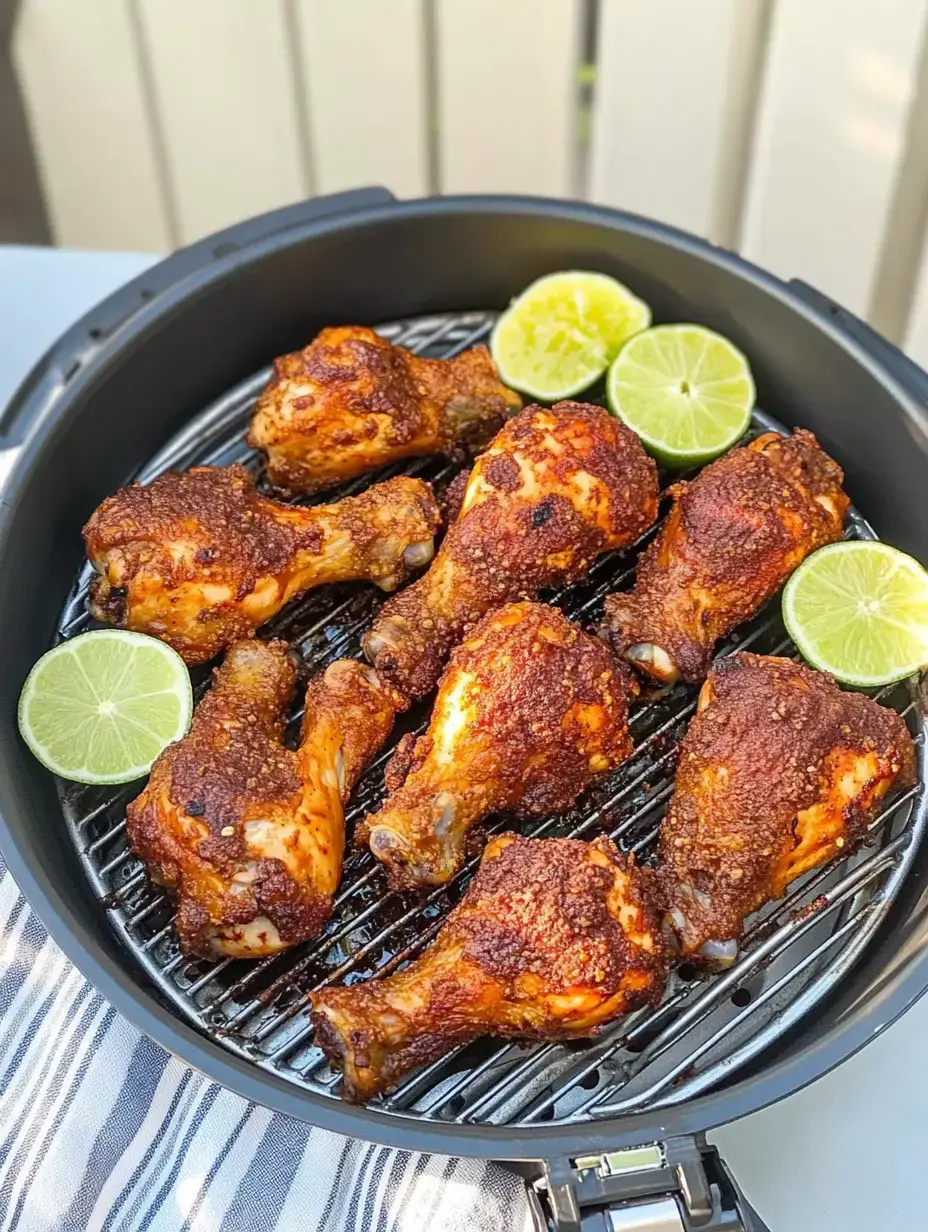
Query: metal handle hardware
{"x":680,"y":1185}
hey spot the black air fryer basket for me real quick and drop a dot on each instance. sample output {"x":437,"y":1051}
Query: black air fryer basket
{"x":163,"y":375}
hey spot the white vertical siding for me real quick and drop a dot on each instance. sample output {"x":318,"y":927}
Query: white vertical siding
{"x":224,"y":84}
{"x":364,"y":92}
{"x":80,"y":73}
{"x":664,"y":78}
{"x":840,"y":78}
{"x":793,"y":130}
{"x":916,"y":338}
{"x":507,"y":88}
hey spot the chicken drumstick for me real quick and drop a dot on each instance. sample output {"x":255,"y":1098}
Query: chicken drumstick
{"x":553,"y":938}
{"x":350,"y":402}
{"x":529,"y":712}
{"x":249,"y":834}
{"x":732,"y":538}
{"x":201,"y":559}
{"x":557,"y":487}
{"x":779,"y":772}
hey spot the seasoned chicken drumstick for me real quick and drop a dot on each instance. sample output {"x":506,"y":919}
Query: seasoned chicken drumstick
{"x":556,"y":488}
{"x":528,"y":713}
{"x":732,"y":538}
{"x":553,"y":938}
{"x":249,"y":834}
{"x":350,"y":402}
{"x":779,"y":772}
{"x":200,"y":559}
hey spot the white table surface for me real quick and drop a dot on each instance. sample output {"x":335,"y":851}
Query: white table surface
{"x":849,"y":1153}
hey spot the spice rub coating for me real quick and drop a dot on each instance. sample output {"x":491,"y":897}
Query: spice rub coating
{"x":351,"y":401}
{"x":732,"y":538}
{"x":779,"y":772}
{"x":200,"y":559}
{"x":554,"y":938}
{"x":557,"y":487}
{"x":249,"y":834}
{"x":529,"y":712}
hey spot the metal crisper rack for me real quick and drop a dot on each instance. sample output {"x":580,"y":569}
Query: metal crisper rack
{"x":795,"y":951}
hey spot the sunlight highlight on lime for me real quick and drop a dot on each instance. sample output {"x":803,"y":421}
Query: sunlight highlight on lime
{"x":860,"y":611}
{"x":101,"y":707}
{"x":685,"y":390}
{"x":562,"y":332}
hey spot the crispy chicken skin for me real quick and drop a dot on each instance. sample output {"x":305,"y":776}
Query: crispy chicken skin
{"x":779,"y":772}
{"x":350,"y":402}
{"x":554,"y":938}
{"x":249,"y":834}
{"x":529,"y":712}
{"x":201,"y":559}
{"x":732,"y":538}
{"x":555,"y":488}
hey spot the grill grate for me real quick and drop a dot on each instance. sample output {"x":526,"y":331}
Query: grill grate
{"x":795,"y":951}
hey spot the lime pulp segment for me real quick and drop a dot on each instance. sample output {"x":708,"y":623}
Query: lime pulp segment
{"x":561,"y":333}
{"x":859,"y":610}
{"x":685,"y":390}
{"x":101,"y":707}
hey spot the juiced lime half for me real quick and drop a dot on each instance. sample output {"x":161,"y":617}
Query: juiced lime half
{"x":860,"y":611}
{"x":562,"y":332}
{"x":101,"y":707}
{"x":686,"y":391}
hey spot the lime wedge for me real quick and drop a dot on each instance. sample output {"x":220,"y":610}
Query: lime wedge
{"x":860,"y":611}
{"x":685,"y":390}
{"x":101,"y":707}
{"x":562,"y":332}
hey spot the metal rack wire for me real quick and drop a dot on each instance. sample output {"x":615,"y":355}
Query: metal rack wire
{"x":793,"y":955}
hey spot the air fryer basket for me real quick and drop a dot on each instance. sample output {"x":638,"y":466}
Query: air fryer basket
{"x":796,"y":950}
{"x":124,"y":393}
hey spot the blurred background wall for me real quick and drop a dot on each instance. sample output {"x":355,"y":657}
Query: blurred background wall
{"x":795,"y":131}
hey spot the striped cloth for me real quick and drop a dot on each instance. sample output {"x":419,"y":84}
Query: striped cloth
{"x":101,"y":1129}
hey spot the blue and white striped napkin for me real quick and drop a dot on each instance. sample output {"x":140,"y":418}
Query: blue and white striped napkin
{"x":101,"y":1129}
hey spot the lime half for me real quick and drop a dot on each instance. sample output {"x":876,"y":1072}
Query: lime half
{"x":860,"y":611}
{"x":561,"y":334}
{"x":685,"y":390}
{"x":101,"y":707}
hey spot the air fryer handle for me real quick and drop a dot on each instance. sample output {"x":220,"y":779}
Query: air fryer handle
{"x":906,"y":370}
{"x":679,"y":1185}
{"x":254,"y":230}
{"x":61,"y":363}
